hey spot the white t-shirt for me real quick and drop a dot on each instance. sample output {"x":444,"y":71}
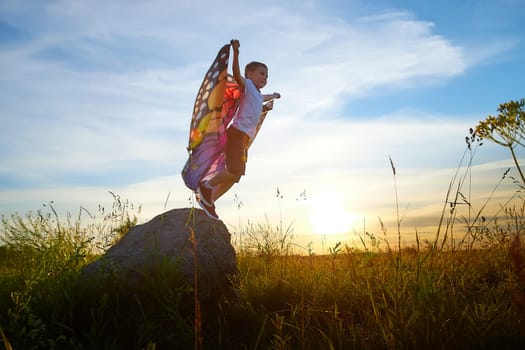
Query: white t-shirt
{"x":250,"y":108}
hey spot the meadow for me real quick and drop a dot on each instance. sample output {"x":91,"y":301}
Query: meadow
{"x":422,"y":297}
{"x":464,"y":289}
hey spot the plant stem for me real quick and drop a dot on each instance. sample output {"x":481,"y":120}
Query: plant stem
{"x":516,"y":162}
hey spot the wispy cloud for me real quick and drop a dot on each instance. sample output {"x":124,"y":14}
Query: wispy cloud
{"x":104,"y":83}
{"x":98,"y":94}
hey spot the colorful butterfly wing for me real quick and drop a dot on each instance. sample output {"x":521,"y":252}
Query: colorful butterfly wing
{"x":215,"y":105}
{"x":208,"y":104}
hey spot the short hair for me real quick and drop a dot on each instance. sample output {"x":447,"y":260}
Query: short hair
{"x":250,"y":67}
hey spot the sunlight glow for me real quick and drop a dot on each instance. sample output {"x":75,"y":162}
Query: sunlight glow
{"x":328,"y":213}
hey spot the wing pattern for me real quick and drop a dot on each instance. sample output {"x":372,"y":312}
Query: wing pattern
{"x":215,"y":105}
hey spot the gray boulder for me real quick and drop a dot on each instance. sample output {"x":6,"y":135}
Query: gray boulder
{"x":167,"y":239}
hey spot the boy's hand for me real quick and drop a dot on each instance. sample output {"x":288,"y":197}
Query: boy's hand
{"x":268,"y":106}
{"x":235,"y":45}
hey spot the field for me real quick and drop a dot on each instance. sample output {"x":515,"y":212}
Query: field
{"x":429,"y":296}
{"x":460,"y":290}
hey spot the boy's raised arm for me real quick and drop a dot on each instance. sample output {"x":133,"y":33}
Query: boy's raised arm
{"x":235,"y":65}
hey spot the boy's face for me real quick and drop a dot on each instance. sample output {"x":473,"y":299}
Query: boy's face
{"x":259,"y":76}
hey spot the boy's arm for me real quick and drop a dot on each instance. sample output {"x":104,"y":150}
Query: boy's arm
{"x":268,"y":106}
{"x":268,"y":97}
{"x":235,"y":65}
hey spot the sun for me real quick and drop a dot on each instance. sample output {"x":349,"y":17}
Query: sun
{"x":328,"y":213}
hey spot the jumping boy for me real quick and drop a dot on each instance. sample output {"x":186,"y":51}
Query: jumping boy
{"x":241,"y":130}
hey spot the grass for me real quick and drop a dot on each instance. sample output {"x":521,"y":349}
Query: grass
{"x":418,"y":297}
{"x":459,"y":291}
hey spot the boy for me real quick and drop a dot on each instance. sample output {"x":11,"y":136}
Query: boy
{"x":241,"y":130}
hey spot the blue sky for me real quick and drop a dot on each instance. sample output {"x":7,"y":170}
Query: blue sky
{"x":97,"y":97}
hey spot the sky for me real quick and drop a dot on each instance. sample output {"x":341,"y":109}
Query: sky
{"x":97,"y":96}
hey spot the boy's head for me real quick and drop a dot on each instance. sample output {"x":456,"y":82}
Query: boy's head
{"x":257,"y":72}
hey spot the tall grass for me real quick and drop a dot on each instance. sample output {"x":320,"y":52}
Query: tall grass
{"x":459,"y":290}
{"x":40,"y":260}
{"x":349,"y":298}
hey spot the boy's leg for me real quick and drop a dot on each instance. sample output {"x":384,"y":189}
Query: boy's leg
{"x":209,"y":191}
{"x":221,"y":183}
{"x":222,"y":177}
{"x":236,"y":154}
{"x":221,"y":189}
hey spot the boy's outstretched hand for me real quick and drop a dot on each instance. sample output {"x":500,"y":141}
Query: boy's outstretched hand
{"x":271,"y":97}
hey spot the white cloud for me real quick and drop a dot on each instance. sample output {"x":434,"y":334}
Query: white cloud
{"x":107,"y":88}
{"x":71,"y":107}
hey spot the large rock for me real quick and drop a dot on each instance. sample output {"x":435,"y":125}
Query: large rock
{"x":167,"y":238}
